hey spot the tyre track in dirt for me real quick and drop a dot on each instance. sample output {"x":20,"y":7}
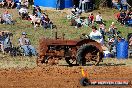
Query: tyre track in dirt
{"x":61,"y":76}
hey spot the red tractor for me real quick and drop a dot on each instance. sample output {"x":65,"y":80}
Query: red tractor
{"x":79,"y":51}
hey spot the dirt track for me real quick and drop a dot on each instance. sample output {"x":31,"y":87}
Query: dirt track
{"x":60,"y":77}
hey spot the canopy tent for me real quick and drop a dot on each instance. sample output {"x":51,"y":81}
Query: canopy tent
{"x":53,"y":3}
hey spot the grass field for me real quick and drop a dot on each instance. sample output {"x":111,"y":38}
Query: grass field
{"x":59,"y":19}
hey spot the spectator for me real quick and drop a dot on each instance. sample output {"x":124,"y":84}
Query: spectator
{"x":43,"y":18}
{"x":7,"y":18}
{"x":99,"y":18}
{"x":47,"y":23}
{"x":10,"y":2}
{"x":102,"y":30}
{"x":78,"y":22}
{"x":116,"y":4}
{"x":18,"y":4}
{"x":23,"y":12}
{"x":36,"y":9}
{"x":87,"y":4}
{"x":25,"y":44}
{"x":38,"y":13}
{"x":58,"y":4}
{"x":91,"y":18}
{"x":124,"y":3}
{"x":2,"y":38}
{"x":113,"y":29}
{"x":122,"y":17}
{"x":25,"y":3}
{"x":96,"y":35}
{"x":35,"y":20}
{"x":81,"y":5}
{"x":2,"y":2}
{"x":130,"y":41}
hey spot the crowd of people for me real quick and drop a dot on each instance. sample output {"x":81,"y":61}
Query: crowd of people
{"x":124,"y":17}
{"x":99,"y":34}
{"x":39,"y":18}
{"x":13,"y":3}
{"x":24,"y":44}
{"x":121,"y":4}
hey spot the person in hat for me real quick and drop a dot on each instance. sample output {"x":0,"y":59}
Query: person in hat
{"x":25,"y":44}
{"x":96,"y":35}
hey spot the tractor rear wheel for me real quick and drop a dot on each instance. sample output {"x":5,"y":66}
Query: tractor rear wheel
{"x":88,"y":53}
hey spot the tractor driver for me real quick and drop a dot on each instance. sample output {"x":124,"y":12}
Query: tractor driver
{"x":96,"y":35}
{"x":25,"y":44}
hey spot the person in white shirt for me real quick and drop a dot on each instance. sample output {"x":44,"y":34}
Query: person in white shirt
{"x":99,"y":18}
{"x":23,"y":12}
{"x":96,"y":35}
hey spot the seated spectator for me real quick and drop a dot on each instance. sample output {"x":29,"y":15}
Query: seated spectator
{"x":7,"y":18}
{"x":2,"y":2}
{"x":18,"y":4}
{"x":35,"y":20}
{"x":25,"y":3}
{"x":116,"y":4}
{"x":99,"y":19}
{"x":46,"y":22}
{"x":2,"y":38}
{"x":117,"y":16}
{"x":0,"y":19}
{"x":23,"y":12}
{"x":102,"y":30}
{"x":35,"y":8}
{"x":128,"y":18}
{"x":78,"y":21}
{"x":113,"y":29}
{"x":10,"y":2}
{"x":91,"y":18}
{"x":5,"y":41}
{"x":130,"y":41}
{"x":38,"y":13}
{"x":122,"y":17}
{"x":96,"y":35}
{"x":25,"y":44}
{"x":71,"y":15}
{"x":124,"y":3}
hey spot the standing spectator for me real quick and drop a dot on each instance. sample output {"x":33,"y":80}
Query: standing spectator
{"x":82,"y":5}
{"x":87,"y":4}
{"x":96,"y":35}
{"x":58,"y":4}
{"x":99,"y":18}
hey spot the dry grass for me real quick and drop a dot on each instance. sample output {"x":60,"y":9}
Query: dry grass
{"x":59,"y":19}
